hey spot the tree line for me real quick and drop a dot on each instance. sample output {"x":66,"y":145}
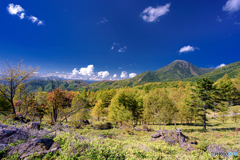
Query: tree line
{"x":185,"y":103}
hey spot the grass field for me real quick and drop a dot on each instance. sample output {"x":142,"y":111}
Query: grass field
{"x":129,"y":144}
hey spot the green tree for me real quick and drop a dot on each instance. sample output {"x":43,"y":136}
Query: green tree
{"x":125,"y":102}
{"x":203,"y":98}
{"x":159,"y":105}
{"x":5,"y":105}
{"x":98,"y":110}
{"x":11,"y":76}
{"x":228,"y":92}
{"x":235,"y":110}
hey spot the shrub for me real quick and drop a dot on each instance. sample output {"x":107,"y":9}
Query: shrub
{"x":103,"y":126}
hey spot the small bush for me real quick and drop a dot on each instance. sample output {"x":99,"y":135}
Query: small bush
{"x":103,"y":126}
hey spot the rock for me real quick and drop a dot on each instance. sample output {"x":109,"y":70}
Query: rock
{"x":157,"y":134}
{"x":3,"y":126}
{"x":174,"y":137}
{"x":31,"y":146}
{"x":2,"y":146}
{"x":186,"y":146}
{"x":12,"y":135}
{"x":217,"y":149}
{"x":161,"y":138}
{"x":34,"y":125}
{"x":6,"y":133}
{"x":170,"y":137}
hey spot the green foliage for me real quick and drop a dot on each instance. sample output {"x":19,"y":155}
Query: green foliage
{"x":203,"y":98}
{"x":227,"y":90}
{"x":5,"y":105}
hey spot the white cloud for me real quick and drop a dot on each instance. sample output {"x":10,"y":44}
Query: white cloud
{"x":221,"y":65}
{"x":151,"y":14}
{"x":103,"y":74}
{"x":115,"y":75}
{"x":187,"y":49}
{"x":104,"y":20}
{"x":124,"y":74}
{"x":219,"y":19}
{"x":120,"y":68}
{"x":131,"y":75}
{"x":57,"y":72}
{"x":19,"y":11}
{"x":33,"y":19}
{"x":232,"y":6}
{"x":40,"y":23}
{"x":87,"y":71}
{"x":14,"y":9}
{"x":112,"y":48}
{"x":21,"y":16}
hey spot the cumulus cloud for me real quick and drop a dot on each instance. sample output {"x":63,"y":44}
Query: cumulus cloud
{"x":187,"y":49}
{"x":19,"y":11}
{"x":219,"y":19}
{"x":40,"y":23}
{"x":87,"y":71}
{"x":131,"y":75}
{"x":232,"y":6}
{"x":33,"y":19}
{"x":104,"y":20}
{"x":14,"y":9}
{"x":151,"y":14}
{"x":21,"y":16}
{"x":103,"y":74}
{"x":221,"y":65}
{"x":124,"y":74}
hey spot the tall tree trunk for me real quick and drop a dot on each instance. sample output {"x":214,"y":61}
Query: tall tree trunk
{"x":175,"y":122}
{"x":51,"y":117}
{"x":13,"y":108}
{"x":204,"y":118}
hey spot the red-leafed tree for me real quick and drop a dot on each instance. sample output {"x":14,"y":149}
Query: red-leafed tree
{"x":59,"y":102}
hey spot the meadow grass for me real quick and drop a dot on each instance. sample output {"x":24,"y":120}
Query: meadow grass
{"x":121,"y":144}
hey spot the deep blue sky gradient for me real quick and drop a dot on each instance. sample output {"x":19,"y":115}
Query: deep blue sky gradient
{"x":72,"y":38}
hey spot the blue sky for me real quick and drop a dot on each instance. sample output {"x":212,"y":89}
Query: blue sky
{"x":106,"y":39}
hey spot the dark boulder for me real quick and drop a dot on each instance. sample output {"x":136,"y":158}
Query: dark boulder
{"x":12,"y":135}
{"x":31,"y":146}
{"x":157,"y":134}
{"x":2,"y":146}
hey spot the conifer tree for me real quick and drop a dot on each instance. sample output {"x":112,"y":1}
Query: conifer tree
{"x":98,"y":110}
{"x":203,"y":98}
{"x":235,"y":110}
{"x":228,"y":92}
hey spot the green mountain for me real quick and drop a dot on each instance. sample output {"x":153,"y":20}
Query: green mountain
{"x":176,"y":70}
{"x":48,"y":85}
{"x":232,"y":70}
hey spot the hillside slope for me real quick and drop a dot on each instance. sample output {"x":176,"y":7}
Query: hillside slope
{"x":232,"y":70}
{"x":176,"y":70}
